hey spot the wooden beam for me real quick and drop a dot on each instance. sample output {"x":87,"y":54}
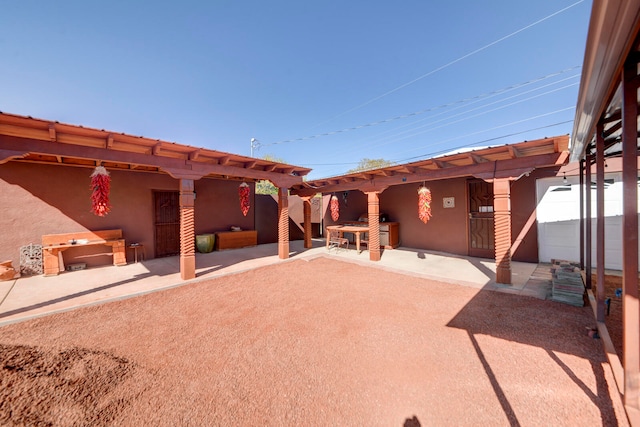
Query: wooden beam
{"x":156,"y":149}
{"x":500,"y":169}
{"x":194,"y":154}
{"x":250,"y":165}
{"x":629,"y":239}
{"x":386,"y":172}
{"x":224,"y":160}
{"x":271,"y":168}
{"x":52,"y":132}
{"x":477,"y":159}
{"x":173,"y":166}
{"x":514,"y":151}
{"x":109,"y":143}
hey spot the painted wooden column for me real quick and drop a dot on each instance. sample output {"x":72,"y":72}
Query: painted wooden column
{"x":629,"y":238}
{"x":187,"y":230}
{"x":588,"y":231}
{"x":502,"y":224}
{"x":306,"y":210}
{"x":600,"y":307}
{"x":373,"y":209}
{"x":581,"y":187}
{"x":283,"y":223}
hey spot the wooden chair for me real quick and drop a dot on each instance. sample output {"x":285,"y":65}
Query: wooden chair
{"x":364,"y":240}
{"x":335,"y":240}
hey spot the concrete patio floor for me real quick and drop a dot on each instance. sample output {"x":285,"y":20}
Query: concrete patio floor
{"x":34,"y":296}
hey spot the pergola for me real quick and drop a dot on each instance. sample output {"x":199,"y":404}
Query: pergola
{"x":606,"y":125}
{"x":499,"y":165}
{"x":26,"y":139}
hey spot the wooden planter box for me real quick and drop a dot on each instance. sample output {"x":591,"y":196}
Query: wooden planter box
{"x":236,"y":239}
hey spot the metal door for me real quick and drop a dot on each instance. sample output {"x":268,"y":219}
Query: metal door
{"x":167,"y":223}
{"x":481,"y":225}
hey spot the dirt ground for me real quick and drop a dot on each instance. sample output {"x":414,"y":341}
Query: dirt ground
{"x":310,"y":342}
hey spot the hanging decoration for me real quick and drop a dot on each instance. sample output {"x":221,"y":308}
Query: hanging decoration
{"x":100,"y":186}
{"x":335,"y":208}
{"x":424,"y":204}
{"x":243,"y":193}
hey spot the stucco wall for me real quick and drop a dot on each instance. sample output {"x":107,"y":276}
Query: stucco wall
{"x":447,"y":231}
{"x":45,"y":199}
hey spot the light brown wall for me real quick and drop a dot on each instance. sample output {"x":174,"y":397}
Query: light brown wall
{"x":45,"y":199}
{"x":446,"y":230}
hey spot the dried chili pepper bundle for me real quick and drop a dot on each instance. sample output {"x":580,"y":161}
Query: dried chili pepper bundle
{"x":335,"y":208}
{"x":100,"y":186}
{"x":424,"y":204}
{"x":243,"y":193}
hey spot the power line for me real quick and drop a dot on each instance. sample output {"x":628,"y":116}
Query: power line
{"x":467,"y":117}
{"x":472,"y":99}
{"x":435,"y":153}
{"x":442,"y":67}
{"x":386,"y":140}
{"x":497,"y":127}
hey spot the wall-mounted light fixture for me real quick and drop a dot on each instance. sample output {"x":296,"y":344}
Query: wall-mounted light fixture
{"x":564,"y":179}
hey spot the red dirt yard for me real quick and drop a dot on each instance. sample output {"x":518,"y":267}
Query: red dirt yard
{"x":310,"y":342}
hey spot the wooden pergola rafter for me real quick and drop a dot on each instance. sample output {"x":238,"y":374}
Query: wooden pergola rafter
{"x":25,"y":139}
{"x":499,"y":165}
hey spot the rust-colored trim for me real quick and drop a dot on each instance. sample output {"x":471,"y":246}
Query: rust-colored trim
{"x":600,"y":224}
{"x":630,"y":303}
{"x":589,"y":223}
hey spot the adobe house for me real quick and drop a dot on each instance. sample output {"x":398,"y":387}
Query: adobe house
{"x":483,"y":201}
{"x":162,"y":194}
{"x":606,"y":127}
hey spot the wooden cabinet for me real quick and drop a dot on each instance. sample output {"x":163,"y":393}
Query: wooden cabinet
{"x":389,"y":235}
{"x":236,"y":239}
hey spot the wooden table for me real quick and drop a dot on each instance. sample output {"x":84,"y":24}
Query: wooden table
{"x":355,"y":229}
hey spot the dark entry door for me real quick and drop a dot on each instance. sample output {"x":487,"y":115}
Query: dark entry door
{"x":481,"y":226}
{"x":167,"y":223}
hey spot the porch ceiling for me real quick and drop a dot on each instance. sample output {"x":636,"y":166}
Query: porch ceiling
{"x":494,"y":162}
{"x":613,"y":29}
{"x":27,"y":139}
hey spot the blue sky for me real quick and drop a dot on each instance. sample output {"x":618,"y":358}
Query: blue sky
{"x":217,"y":73}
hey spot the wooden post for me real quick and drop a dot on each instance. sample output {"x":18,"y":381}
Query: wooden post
{"x":588,"y":226}
{"x":306,"y":209}
{"x":600,"y":308}
{"x":373,"y":209}
{"x":581,"y":187}
{"x":629,"y":238}
{"x":187,"y":230}
{"x":283,"y":223}
{"x":502,"y":226}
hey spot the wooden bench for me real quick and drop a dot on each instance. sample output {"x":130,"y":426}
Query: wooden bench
{"x":236,"y":239}
{"x":54,"y":244}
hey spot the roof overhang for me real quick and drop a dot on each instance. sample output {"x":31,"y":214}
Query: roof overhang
{"x":613,"y":29}
{"x":26,"y":139}
{"x":507,"y":161}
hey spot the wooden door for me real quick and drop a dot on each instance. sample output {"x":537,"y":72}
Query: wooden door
{"x":167,"y":223}
{"x":481,"y":225}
